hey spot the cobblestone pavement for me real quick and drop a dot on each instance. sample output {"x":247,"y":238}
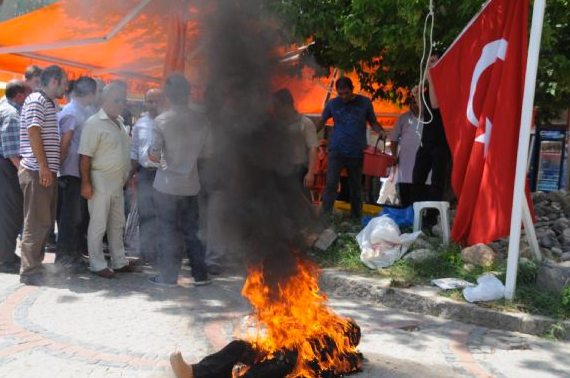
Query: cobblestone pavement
{"x":87,"y":326}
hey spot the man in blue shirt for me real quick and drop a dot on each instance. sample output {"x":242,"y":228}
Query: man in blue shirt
{"x":73,"y":210}
{"x":350,"y":112}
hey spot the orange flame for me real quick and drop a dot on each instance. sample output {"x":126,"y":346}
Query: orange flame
{"x":294,"y":316}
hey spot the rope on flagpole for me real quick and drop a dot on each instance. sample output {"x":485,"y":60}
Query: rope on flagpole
{"x":424,"y":65}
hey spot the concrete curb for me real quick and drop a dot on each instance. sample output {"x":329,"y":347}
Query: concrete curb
{"x":425,"y":300}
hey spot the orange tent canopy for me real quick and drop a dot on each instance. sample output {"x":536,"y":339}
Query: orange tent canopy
{"x":310,"y":92}
{"x":132,"y":40}
{"x":103,"y":38}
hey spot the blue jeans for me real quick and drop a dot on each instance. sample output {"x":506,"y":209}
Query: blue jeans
{"x":177,"y":220}
{"x":354,"y":167}
{"x":147,"y":214}
{"x":69,"y":223}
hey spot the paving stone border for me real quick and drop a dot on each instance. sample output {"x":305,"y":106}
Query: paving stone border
{"x":23,"y":337}
{"x":426,"y":300}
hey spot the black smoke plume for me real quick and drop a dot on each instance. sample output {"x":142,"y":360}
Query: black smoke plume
{"x":256,"y":208}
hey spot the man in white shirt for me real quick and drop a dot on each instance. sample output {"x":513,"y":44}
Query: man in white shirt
{"x":405,"y":140}
{"x":145,"y":170}
{"x":304,"y":135}
{"x":180,"y":138}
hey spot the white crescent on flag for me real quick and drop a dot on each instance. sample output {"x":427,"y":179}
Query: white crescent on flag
{"x":489,"y":55}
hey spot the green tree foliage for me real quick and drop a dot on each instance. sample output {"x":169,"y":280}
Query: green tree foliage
{"x":382,"y":41}
{"x":553,"y":82}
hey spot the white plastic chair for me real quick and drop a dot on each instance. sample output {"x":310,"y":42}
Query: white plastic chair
{"x":442,"y":207}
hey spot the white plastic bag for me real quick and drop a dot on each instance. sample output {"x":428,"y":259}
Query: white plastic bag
{"x":489,"y":288}
{"x":381,"y":243}
{"x":388,"y":193}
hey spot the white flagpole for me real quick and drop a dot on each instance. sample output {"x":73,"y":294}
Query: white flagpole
{"x":524,"y":136}
{"x":530,"y":231}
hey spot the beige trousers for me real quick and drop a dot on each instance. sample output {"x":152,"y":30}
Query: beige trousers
{"x":40,"y":205}
{"x":107,"y":214}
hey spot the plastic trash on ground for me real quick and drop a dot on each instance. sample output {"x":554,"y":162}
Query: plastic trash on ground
{"x":489,"y":288}
{"x":451,"y":283}
{"x":381,"y":243}
{"x":404,"y":217}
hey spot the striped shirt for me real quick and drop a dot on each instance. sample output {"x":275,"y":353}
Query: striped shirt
{"x":40,"y":111}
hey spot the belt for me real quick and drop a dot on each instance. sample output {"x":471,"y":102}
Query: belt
{"x":150,"y":169}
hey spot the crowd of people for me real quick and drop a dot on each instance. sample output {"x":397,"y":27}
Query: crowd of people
{"x":69,"y":165}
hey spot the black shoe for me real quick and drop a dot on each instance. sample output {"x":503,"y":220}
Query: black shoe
{"x":37,"y":279}
{"x":205,"y":282}
{"x":215,"y":270}
{"x":10,"y":267}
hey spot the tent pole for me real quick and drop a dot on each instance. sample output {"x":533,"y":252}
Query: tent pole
{"x":524,"y":136}
{"x":125,"y":20}
{"x":80,"y":42}
{"x":529,"y":229}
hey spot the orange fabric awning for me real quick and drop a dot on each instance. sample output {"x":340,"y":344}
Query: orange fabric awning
{"x":104,"y":38}
{"x":136,"y":40}
{"x":310,"y":92}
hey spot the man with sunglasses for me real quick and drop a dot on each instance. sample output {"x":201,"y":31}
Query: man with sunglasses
{"x":104,"y":166}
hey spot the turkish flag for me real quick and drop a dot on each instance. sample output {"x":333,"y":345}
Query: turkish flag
{"x":479,"y":83}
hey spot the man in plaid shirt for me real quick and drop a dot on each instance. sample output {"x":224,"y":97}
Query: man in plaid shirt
{"x":10,"y":192}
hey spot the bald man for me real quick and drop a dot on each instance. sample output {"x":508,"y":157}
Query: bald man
{"x":145,"y":170}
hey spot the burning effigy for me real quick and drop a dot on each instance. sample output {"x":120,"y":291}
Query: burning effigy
{"x":297,"y":336}
{"x":296,"y":325}
{"x":257,"y":210}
